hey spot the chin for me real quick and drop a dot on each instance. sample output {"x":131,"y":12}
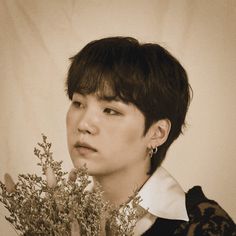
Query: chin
{"x":78,"y":163}
{"x":92,"y":167}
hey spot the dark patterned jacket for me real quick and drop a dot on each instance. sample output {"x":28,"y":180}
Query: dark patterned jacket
{"x":206,"y":218}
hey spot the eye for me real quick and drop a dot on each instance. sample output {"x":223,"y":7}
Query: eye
{"x":110,"y":111}
{"x":77,"y":104}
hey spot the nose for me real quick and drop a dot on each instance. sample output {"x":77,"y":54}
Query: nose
{"x":87,"y":123}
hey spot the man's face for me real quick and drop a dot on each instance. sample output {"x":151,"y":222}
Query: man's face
{"x":107,"y":136}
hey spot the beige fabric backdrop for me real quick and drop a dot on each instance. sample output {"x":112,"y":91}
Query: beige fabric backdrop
{"x":38,"y":37}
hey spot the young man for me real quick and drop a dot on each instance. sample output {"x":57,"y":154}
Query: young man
{"x":129,"y":102}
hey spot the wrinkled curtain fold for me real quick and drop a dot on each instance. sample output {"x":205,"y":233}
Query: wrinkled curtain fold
{"x":37,"y":39}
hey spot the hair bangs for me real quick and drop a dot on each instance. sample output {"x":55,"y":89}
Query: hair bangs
{"x":96,"y":79}
{"x":108,"y":81}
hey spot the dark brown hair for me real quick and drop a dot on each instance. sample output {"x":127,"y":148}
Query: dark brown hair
{"x":146,"y":75}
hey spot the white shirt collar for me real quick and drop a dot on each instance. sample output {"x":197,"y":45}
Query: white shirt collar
{"x":163,"y":197}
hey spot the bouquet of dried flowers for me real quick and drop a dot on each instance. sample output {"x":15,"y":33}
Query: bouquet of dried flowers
{"x":52,"y":203}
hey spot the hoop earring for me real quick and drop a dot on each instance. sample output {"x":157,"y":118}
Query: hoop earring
{"x":153,"y":151}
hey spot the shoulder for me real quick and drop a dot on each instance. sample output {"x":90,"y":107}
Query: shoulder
{"x":206,"y":217}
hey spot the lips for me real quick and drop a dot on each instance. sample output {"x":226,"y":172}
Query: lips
{"x":84,"y":148}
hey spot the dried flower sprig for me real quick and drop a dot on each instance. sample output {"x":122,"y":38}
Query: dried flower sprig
{"x":55,"y":204}
{"x":123,"y":219}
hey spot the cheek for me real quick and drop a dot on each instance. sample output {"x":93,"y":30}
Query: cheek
{"x":129,"y":137}
{"x":133,"y":137}
{"x":69,"y":120}
{"x":70,"y":127}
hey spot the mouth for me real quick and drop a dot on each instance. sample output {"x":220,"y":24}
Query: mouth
{"x":84,"y":148}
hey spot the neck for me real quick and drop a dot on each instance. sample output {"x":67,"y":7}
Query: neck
{"x":118,"y":187}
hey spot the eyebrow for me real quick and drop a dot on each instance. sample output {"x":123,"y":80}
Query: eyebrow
{"x":109,"y":98}
{"x":105,"y":98}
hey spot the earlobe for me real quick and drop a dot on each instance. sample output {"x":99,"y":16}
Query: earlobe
{"x":159,"y":132}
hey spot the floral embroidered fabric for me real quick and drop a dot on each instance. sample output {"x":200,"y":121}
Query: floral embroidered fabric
{"x":206,"y":218}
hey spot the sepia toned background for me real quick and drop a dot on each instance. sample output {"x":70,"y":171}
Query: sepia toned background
{"x":38,"y":37}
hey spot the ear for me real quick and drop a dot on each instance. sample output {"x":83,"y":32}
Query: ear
{"x":159,"y":132}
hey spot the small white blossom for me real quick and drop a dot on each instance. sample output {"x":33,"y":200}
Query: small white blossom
{"x":9,"y":183}
{"x":75,"y":228}
{"x":51,"y":178}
